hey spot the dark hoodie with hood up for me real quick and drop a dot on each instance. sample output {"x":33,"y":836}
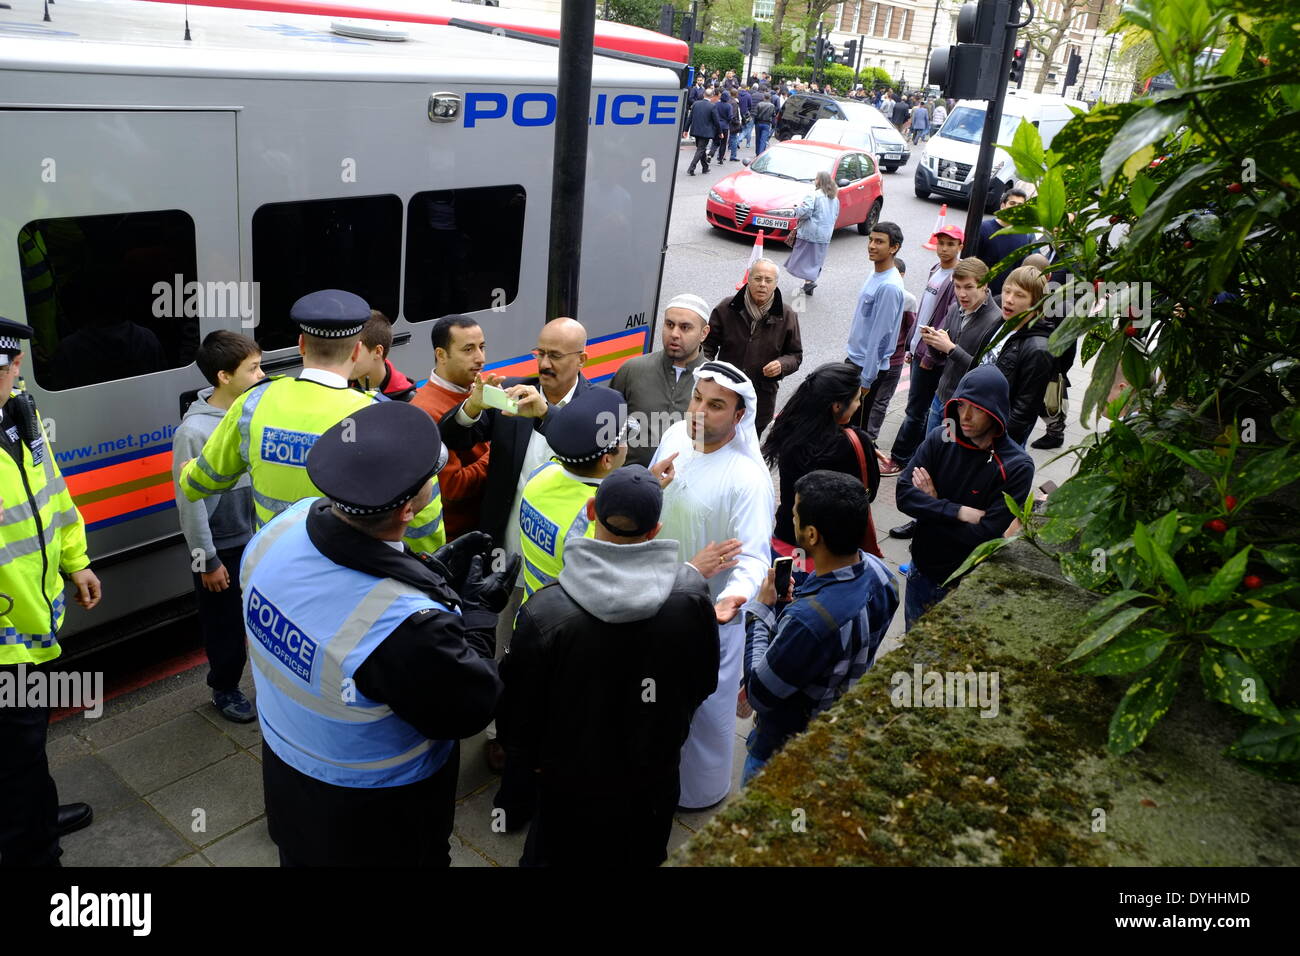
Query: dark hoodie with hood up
{"x":964,"y":474}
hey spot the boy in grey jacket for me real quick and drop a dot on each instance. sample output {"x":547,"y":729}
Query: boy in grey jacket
{"x":217,"y":528}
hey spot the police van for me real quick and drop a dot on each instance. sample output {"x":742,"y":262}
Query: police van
{"x":171,"y":170}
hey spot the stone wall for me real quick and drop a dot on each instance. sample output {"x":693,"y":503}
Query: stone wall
{"x":872,"y":783}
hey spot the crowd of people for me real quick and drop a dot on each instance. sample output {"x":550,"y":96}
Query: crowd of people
{"x":589,"y":572}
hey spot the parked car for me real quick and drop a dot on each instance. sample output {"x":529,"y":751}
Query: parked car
{"x":763,"y":196}
{"x":885,"y":142}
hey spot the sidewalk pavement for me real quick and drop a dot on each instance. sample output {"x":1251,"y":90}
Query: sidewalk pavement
{"x":174,"y":784}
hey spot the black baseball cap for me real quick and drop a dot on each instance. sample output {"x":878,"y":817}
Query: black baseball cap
{"x":630,"y":492}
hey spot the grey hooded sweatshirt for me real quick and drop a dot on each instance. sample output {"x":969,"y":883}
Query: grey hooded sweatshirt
{"x":219,"y":521}
{"x":618,"y":583}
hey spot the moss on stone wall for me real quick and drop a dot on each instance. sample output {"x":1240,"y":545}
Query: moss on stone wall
{"x":873,"y":783}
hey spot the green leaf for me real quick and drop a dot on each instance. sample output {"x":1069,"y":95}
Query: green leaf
{"x":1147,"y":700}
{"x":1027,"y":151}
{"x":1080,"y":570}
{"x":1163,"y":531}
{"x":1111,"y":603}
{"x":1271,"y":742}
{"x":1228,"y":247}
{"x":1014,"y":506}
{"x":1124,"y":561}
{"x":1103,"y":375}
{"x":1142,"y":544}
{"x":1256,"y":627}
{"x":1287,"y":423}
{"x":1108,"y":630}
{"x":1140,"y":193}
{"x":1230,"y":679}
{"x":1051,"y":199}
{"x":1169,"y":570}
{"x":1228,"y":578}
{"x":1144,"y":128}
{"x":1285,"y":558}
{"x":1264,"y":474}
{"x":1211,"y":465}
{"x":1160,"y":209}
{"x":1080,"y":495}
{"x":1127,"y":653}
{"x":985,"y":550}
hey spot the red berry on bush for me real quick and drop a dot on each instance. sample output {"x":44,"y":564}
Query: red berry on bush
{"x":1264,"y":60}
{"x":1216,"y":524}
{"x":1234,"y":187}
{"x":1114,"y":219}
{"x":1230,"y":502}
{"x":1188,"y":244}
{"x":1253,"y":581}
{"x":1131,"y":330}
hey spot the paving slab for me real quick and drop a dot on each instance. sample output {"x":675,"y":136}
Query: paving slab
{"x":114,"y":728}
{"x":474,"y":771}
{"x":216,"y":800}
{"x":244,"y":735}
{"x":165,"y":753}
{"x":132,"y":836}
{"x":250,"y":846}
{"x":90,"y":780}
{"x":474,"y":821}
{"x":462,"y":855}
{"x":65,"y":749}
{"x":194,"y":859}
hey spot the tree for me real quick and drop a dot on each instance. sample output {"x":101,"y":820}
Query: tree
{"x":637,"y":13}
{"x":1046,"y":36}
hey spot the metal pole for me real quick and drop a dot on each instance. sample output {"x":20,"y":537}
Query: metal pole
{"x":925,"y":67}
{"x":1101,"y":87}
{"x":862,"y":41}
{"x":573,"y":105}
{"x":1088,"y":66}
{"x":979,"y":189}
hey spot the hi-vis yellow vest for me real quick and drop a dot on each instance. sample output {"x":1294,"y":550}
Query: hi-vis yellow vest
{"x":268,"y":432}
{"x":553,"y":509}
{"x":41,"y":535}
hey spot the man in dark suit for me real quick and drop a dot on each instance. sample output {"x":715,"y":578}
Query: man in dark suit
{"x":518,"y":446}
{"x":703,"y":126}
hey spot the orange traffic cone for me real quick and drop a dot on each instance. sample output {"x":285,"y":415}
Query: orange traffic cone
{"x":943,"y":214}
{"x":755,"y":254}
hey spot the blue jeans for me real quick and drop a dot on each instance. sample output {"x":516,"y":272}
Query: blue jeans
{"x":921,"y":594}
{"x":920,"y":395}
{"x":747,"y":132}
{"x":734,"y":142}
{"x":761,"y":132}
{"x":936,"y":416}
{"x":752,"y":764}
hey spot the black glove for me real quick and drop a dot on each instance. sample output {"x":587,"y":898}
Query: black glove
{"x":452,"y":560}
{"x":493,"y":591}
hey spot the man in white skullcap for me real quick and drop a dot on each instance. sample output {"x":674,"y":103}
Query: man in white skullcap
{"x":657,"y":385}
{"x":722,"y":490}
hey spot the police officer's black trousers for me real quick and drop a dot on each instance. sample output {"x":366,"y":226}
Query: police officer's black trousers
{"x":29,"y":802}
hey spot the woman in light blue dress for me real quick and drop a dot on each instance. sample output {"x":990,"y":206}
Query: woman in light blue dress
{"x":817,"y":215}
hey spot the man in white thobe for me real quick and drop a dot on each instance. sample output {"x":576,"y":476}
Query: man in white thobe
{"x":722,"y":490}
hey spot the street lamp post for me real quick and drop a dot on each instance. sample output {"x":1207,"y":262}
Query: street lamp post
{"x":930,"y":45}
{"x":1101,"y":87}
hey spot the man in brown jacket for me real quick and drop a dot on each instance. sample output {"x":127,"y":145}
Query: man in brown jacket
{"x":758,"y":333}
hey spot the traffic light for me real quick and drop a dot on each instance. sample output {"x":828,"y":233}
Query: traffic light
{"x":688,"y":28}
{"x":1072,"y":69}
{"x":969,"y":70}
{"x":1018,"y":61}
{"x":745,"y":41}
{"x":666,"y":15}
{"x":755,"y":38}
{"x":850,"y":53}
{"x":819,"y":49}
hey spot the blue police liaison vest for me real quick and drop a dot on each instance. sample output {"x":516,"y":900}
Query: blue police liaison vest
{"x":311,"y":624}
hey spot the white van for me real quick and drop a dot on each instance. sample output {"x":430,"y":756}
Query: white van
{"x":948,"y":166}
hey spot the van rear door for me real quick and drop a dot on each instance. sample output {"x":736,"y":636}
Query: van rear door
{"x":124,"y":214}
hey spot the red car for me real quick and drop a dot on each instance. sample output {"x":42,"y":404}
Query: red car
{"x":764,"y":196}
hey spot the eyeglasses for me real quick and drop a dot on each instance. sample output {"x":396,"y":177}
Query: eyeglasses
{"x":553,"y":356}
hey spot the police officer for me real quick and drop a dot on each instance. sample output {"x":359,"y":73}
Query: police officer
{"x":588,"y":439}
{"x":42,"y":536}
{"x":370,"y":663}
{"x":269,"y":429}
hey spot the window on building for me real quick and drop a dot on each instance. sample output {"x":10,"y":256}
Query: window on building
{"x":764,"y":9}
{"x":463,"y":250}
{"x":299,"y":247}
{"x":848,"y":11}
{"x":102,"y":296}
{"x":895,"y":22}
{"x":907,"y":28}
{"x":887,"y":29}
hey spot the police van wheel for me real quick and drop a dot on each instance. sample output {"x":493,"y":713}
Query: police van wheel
{"x":921,"y":192}
{"x":866,"y":225}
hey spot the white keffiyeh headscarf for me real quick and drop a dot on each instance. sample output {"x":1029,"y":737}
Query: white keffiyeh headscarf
{"x":730,"y":377}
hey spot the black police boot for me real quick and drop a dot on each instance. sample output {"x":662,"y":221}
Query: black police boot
{"x":1048,"y":441}
{"x":73,"y":817}
{"x":903,"y":530}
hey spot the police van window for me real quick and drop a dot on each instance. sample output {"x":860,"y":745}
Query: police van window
{"x":352,"y":244}
{"x":463,"y":250}
{"x":105,"y":296}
